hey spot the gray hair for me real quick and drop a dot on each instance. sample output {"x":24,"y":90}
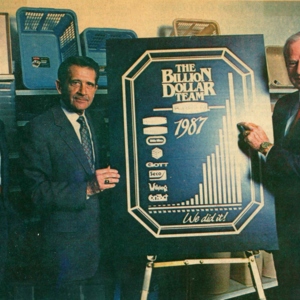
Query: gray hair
{"x":292,"y":39}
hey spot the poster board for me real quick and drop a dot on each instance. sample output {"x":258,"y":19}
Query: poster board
{"x":188,"y":184}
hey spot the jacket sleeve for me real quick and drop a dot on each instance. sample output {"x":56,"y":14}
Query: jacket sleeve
{"x":49,"y":179}
{"x":282,"y":162}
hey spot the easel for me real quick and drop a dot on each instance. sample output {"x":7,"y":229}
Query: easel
{"x":249,"y":259}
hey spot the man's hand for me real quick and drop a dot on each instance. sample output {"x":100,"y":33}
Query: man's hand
{"x":254,"y":136}
{"x":107,"y":178}
{"x":104,"y":179}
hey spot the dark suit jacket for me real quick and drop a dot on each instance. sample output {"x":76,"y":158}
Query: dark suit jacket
{"x":283,"y":164}
{"x":56,"y":172}
{"x":283,"y":169}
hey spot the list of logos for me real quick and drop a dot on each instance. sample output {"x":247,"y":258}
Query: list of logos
{"x":155,"y":129}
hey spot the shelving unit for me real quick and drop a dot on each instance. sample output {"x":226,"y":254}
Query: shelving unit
{"x":237,"y":289}
{"x":276,"y":93}
{"x":282,"y":91}
{"x":7,"y":115}
{"x":32,"y":101}
{"x":48,"y":92}
{"x":8,"y":77}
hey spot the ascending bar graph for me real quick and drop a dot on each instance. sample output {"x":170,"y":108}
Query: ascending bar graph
{"x":221,"y":180}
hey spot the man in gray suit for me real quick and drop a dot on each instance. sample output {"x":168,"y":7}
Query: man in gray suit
{"x":283,"y":174}
{"x":66,"y":174}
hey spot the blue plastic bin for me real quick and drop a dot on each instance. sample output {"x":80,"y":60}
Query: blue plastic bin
{"x":93,"y":44}
{"x":47,"y":37}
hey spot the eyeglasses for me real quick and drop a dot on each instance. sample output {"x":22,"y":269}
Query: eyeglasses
{"x":78,"y":84}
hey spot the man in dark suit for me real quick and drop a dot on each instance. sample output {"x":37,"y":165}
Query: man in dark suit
{"x":66,"y":174}
{"x":283,"y":171}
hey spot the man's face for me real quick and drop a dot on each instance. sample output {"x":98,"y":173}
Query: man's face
{"x":79,"y":89}
{"x":293,"y":64}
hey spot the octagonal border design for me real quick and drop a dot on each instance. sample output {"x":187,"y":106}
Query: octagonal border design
{"x":133,"y":200}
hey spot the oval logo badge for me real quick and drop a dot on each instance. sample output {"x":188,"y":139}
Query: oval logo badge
{"x":155,"y":140}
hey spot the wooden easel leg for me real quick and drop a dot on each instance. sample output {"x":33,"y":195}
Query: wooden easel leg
{"x":147,"y":280}
{"x":256,"y":278}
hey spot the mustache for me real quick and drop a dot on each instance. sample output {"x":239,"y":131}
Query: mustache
{"x":81,"y":97}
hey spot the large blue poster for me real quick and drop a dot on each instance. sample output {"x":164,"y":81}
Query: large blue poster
{"x":188,"y":184}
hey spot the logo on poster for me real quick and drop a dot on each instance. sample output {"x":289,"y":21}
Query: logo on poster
{"x":186,"y":83}
{"x":158,"y":175}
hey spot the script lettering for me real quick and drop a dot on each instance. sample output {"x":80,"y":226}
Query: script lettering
{"x":208,"y":218}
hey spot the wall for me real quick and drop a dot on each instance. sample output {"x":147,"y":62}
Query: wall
{"x":275,"y":19}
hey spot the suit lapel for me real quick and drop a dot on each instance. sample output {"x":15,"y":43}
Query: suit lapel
{"x":68,"y":134}
{"x":283,"y":115}
{"x":292,"y":140}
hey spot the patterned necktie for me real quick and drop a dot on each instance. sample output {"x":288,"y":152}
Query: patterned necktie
{"x":86,"y":141}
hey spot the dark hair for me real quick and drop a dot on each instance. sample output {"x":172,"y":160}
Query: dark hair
{"x":292,"y":39}
{"x":82,"y":61}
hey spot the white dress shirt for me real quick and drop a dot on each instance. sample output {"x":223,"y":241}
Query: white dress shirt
{"x":73,"y":117}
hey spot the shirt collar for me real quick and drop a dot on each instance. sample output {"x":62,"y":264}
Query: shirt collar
{"x":71,"y":115}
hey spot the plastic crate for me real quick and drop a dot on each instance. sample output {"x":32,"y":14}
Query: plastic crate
{"x":47,"y":37}
{"x":191,"y":27}
{"x":93,"y":44}
{"x":277,"y":72}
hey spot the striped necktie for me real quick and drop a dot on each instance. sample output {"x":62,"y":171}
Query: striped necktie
{"x":86,"y":141}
